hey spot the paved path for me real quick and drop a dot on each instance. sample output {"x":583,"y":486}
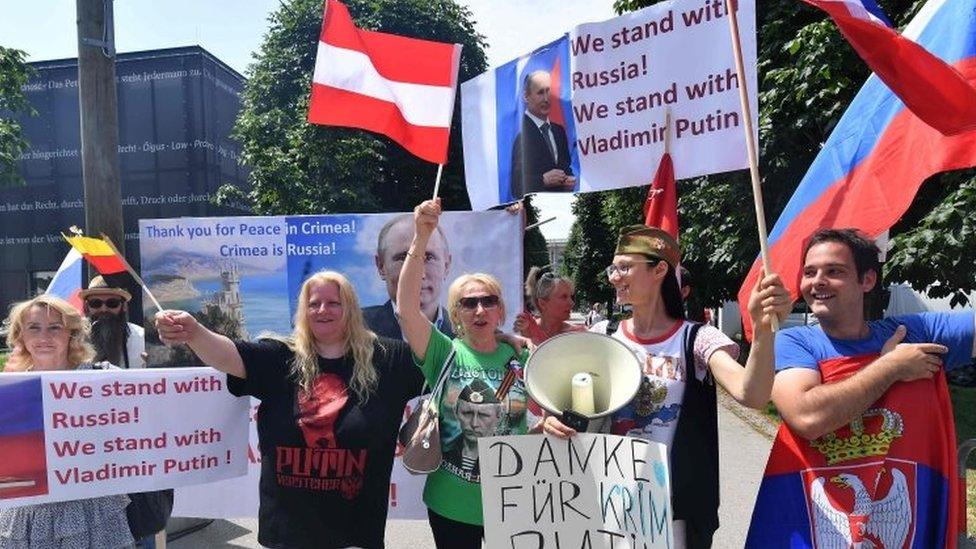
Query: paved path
{"x":743,"y":458}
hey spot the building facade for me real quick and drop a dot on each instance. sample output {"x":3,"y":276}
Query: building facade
{"x":177,"y":108}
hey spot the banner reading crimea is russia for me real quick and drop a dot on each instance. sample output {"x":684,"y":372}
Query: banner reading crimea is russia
{"x":611,"y":84}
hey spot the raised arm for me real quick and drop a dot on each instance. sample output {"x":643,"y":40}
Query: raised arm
{"x":416,"y":328}
{"x":813,"y":409}
{"x":752,"y":385}
{"x":213,"y":349}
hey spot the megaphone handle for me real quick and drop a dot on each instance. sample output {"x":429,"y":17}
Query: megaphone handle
{"x":576,"y":421}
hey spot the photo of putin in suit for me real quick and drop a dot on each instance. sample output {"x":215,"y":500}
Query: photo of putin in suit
{"x":391,"y":249}
{"x":540,"y":156}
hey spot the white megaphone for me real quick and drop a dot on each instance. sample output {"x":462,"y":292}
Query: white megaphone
{"x":580,"y":376}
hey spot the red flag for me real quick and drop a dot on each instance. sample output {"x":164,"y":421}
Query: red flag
{"x":931,"y":88}
{"x":400,"y":87}
{"x":661,"y":206}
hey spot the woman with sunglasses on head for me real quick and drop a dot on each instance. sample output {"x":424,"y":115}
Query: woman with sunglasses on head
{"x":484,"y":395}
{"x":48,"y":334}
{"x":332,"y":397}
{"x":681,"y":361}
{"x":552,"y":297}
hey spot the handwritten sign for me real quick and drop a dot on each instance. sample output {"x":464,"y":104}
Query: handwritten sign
{"x":589,"y":491}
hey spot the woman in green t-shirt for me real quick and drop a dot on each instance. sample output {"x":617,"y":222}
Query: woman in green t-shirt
{"x":483,"y":396}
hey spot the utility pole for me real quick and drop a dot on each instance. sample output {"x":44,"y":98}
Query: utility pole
{"x":99,"y":120}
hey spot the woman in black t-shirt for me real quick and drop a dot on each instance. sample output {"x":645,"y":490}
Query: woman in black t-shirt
{"x":332,"y":398}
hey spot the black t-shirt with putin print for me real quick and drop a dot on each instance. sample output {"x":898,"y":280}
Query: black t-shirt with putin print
{"x":326,"y":457}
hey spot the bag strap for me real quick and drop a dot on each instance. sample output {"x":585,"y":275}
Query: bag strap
{"x":435,"y":394}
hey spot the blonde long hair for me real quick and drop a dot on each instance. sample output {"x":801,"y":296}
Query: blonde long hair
{"x":358,"y":338}
{"x":79,"y":350}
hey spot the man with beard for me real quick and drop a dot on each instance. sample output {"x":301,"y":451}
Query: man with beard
{"x":115,"y":339}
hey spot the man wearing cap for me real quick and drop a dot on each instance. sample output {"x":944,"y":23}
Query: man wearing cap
{"x":681,"y":361}
{"x":478,"y":412}
{"x":115,"y":339}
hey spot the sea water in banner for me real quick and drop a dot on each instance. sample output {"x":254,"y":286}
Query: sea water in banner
{"x":590,"y":490}
{"x":243,"y":275}
{"x":73,"y":435}
{"x":610,"y":85}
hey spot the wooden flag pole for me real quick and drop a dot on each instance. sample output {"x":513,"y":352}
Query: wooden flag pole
{"x":730,"y":7}
{"x":667,"y":130}
{"x":437,"y":182}
{"x":534,"y":225}
{"x":133,"y":272}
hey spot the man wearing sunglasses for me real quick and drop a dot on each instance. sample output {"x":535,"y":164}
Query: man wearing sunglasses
{"x":115,"y":339}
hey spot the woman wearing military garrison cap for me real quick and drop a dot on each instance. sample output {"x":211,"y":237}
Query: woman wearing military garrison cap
{"x":682,"y":360}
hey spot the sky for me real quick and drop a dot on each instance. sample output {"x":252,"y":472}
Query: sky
{"x":233,"y":29}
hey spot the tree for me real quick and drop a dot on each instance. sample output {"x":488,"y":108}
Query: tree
{"x":808,"y":75}
{"x":297,"y":167}
{"x":14,"y":74}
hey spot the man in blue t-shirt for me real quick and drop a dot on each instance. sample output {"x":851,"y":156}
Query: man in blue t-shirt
{"x":868,"y":434}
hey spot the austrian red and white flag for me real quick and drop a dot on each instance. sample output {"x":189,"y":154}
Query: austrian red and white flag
{"x":400,"y":87}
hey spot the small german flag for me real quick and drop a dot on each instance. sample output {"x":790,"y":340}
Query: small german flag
{"x":99,"y":252}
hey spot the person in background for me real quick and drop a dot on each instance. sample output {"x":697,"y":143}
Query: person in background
{"x":116,"y":340}
{"x":331,"y":393}
{"x":552,"y":297}
{"x":595,"y":314}
{"x":48,"y":334}
{"x":485,"y":382}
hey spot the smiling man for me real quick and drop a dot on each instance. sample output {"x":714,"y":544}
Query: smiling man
{"x":865,"y":401}
{"x":392,"y":245}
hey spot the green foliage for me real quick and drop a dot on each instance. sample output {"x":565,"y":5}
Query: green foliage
{"x":535,"y":251}
{"x":938,"y":252}
{"x":297,"y":167}
{"x":808,"y":75}
{"x":14,"y":74}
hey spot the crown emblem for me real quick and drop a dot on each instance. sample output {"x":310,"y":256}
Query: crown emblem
{"x":860,"y":444}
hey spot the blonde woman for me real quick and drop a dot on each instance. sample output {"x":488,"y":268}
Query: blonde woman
{"x":483,"y":396}
{"x":48,"y":334}
{"x":552,"y":297}
{"x":332,"y":397}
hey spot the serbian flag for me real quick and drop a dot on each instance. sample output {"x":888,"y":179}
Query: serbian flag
{"x":933,"y":89}
{"x":66,"y":283}
{"x":877,"y":157}
{"x":100,"y":253}
{"x":400,"y":87}
{"x":661,"y":206}
{"x":23,"y":469}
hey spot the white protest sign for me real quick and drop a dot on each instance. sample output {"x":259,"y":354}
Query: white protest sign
{"x":611,"y":85}
{"x":80,"y":434}
{"x":591,"y":490}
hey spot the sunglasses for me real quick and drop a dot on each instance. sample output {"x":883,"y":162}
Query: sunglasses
{"x":97,"y":303}
{"x":486,"y":302}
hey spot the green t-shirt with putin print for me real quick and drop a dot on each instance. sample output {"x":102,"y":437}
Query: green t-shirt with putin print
{"x":484,"y":396}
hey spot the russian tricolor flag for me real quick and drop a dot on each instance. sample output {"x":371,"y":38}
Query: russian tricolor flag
{"x":934,"y":90}
{"x":23,"y":469}
{"x":66,"y":283}
{"x":874,"y":162}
